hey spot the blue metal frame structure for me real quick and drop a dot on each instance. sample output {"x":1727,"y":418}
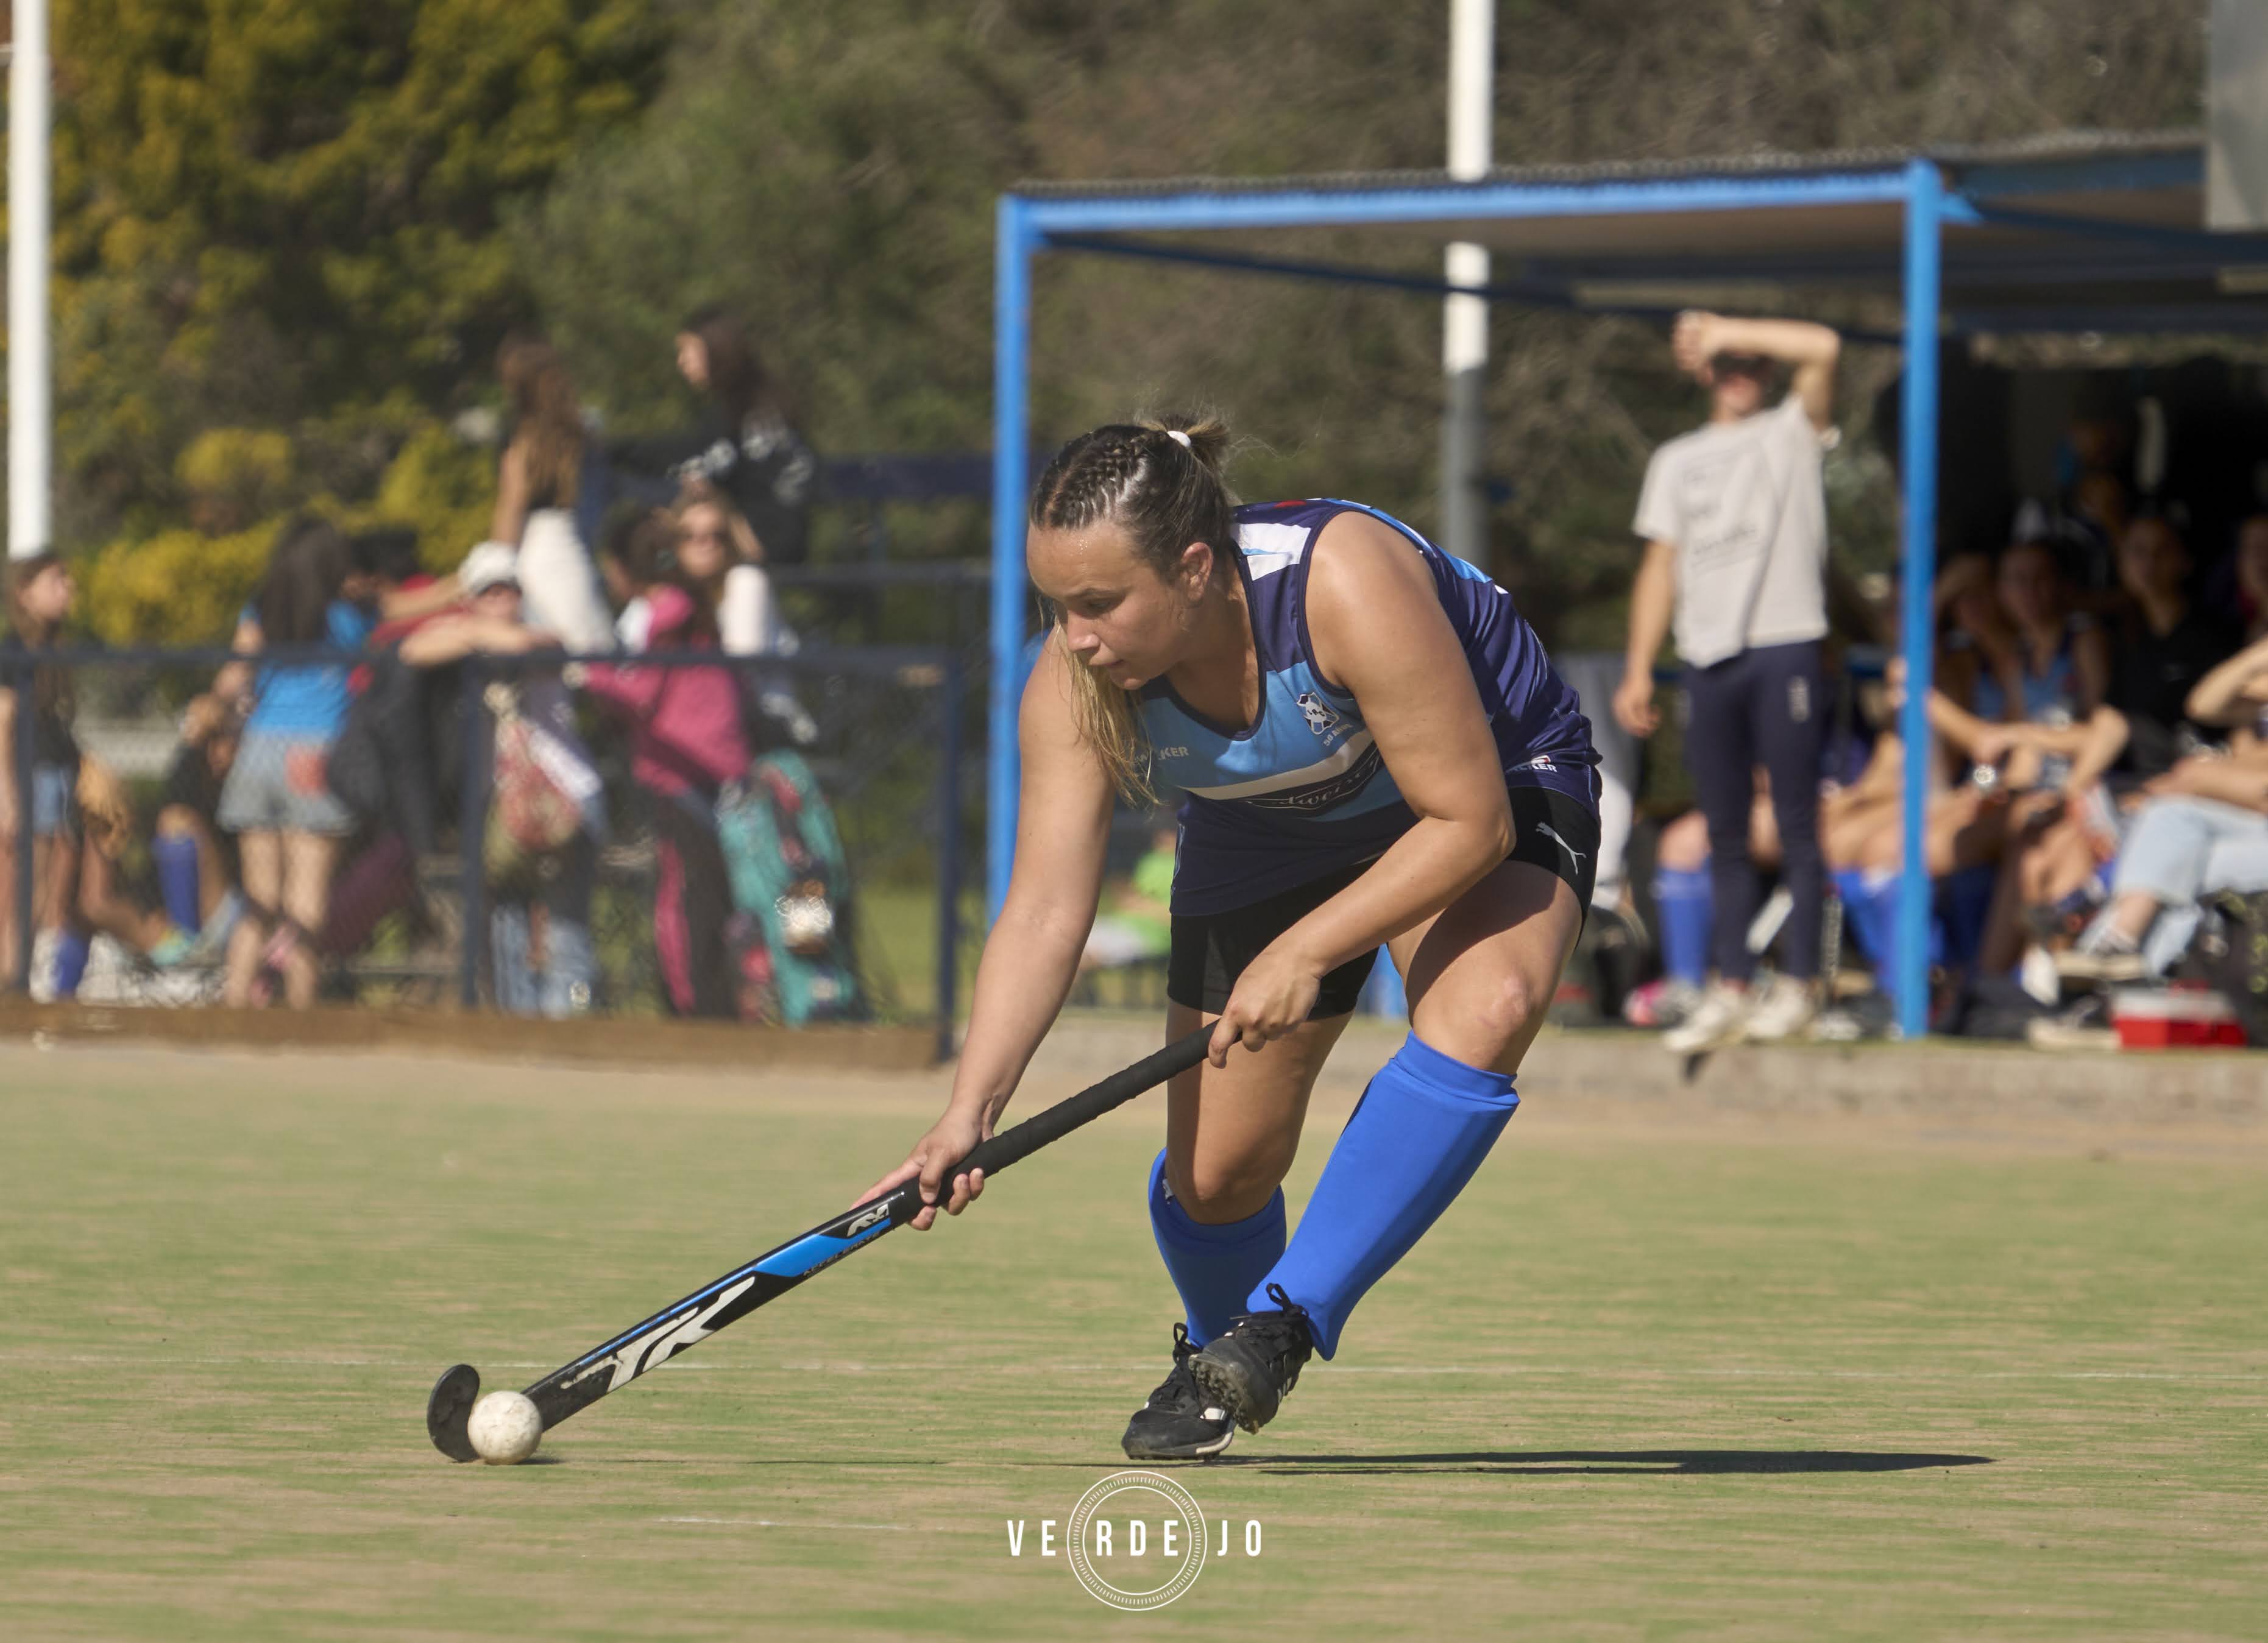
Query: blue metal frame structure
{"x":1917,"y":445}
{"x":1053,"y":219}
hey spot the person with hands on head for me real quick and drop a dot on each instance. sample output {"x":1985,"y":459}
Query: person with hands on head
{"x":2235,"y":695}
{"x":1733,"y":515}
{"x":1372,"y":749}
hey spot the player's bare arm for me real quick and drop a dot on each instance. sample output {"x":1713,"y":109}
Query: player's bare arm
{"x":1063,"y":826}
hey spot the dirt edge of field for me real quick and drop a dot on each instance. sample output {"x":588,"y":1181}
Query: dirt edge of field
{"x":1965,"y":1082}
{"x":612,"y":1039}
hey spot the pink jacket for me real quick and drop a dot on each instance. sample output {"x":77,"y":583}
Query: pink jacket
{"x":688,"y":735}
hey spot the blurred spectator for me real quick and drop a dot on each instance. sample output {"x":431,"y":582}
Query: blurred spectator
{"x":2094,"y":500}
{"x":388,"y":579}
{"x":544,"y":806}
{"x":2235,"y":695}
{"x":717,"y":552}
{"x":1684,"y":903}
{"x":196,"y":859}
{"x":105,"y":905}
{"x":2251,"y":577}
{"x":634,"y":559}
{"x":1137,"y":926}
{"x":2204,"y":829}
{"x":2166,"y":645}
{"x":1734,"y":519}
{"x":687,"y":740}
{"x":722,"y":559}
{"x":84,"y":820}
{"x":2025,"y":655}
{"x":382,"y":766}
{"x":747,"y":445}
{"x":551,"y":488}
{"x":277,"y":798}
{"x":40,"y":593}
{"x":2022,"y":707}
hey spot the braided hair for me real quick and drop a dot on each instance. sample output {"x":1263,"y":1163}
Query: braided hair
{"x":1159,"y":481}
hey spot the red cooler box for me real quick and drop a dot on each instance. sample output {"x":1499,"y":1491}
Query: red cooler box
{"x":2183,"y":1018}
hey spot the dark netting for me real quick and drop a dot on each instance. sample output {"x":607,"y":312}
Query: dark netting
{"x":507,"y":833}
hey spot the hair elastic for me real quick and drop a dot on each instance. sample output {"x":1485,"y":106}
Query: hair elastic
{"x":1179,"y":438}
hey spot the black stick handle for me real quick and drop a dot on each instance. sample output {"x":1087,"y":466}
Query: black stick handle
{"x":1068,"y":1114}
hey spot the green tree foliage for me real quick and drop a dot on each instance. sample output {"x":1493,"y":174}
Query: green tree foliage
{"x":830,"y":171}
{"x":282,"y":221}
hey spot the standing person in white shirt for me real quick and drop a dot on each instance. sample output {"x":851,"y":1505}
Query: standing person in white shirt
{"x":1735,"y":519}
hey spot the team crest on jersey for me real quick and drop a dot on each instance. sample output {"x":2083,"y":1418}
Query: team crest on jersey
{"x":1322,"y":718}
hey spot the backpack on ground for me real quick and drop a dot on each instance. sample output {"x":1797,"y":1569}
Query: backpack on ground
{"x":792,"y":888}
{"x":532,"y":814}
{"x":2231,"y":948}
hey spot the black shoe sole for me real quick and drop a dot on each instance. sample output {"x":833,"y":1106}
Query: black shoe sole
{"x":1177,"y":1452}
{"x":1229,"y":1384}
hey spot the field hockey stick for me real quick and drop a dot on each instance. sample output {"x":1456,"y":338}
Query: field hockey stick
{"x":643,"y":1346}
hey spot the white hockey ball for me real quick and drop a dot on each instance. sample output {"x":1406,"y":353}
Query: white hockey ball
{"x":505,"y":1428}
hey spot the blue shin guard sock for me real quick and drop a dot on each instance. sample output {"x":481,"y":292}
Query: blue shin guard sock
{"x":175,"y":857}
{"x":1213,"y":1266}
{"x":72,"y":955}
{"x":1419,"y":1132}
{"x":1683,"y":902}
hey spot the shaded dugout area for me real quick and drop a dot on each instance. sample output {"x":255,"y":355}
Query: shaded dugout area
{"x":2064,"y":235}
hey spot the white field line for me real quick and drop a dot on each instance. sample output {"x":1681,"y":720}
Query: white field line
{"x":1138,"y":1364}
{"x":766,"y":1522}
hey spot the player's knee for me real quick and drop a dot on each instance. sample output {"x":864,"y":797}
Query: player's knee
{"x":1506,"y":1007}
{"x":176,"y":821}
{"x":1224,"y":1189}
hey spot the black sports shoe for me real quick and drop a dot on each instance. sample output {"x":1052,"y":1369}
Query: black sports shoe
{"x":1249,"y":1370}
{"x":1179,"y":1423}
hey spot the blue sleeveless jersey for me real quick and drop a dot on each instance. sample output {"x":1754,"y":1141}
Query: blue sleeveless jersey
{"x":1303,"y":791}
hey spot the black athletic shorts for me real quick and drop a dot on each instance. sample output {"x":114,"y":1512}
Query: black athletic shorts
{"x":1550,"y":830}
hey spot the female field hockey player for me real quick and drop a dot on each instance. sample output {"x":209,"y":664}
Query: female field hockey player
{"x":1372,"y":748}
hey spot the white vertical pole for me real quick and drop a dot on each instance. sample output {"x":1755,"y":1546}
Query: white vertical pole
{"x":30,"y":517}
{"x":1464,"y":321}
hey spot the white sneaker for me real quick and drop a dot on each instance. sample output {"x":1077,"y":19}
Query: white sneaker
{"x":2042,"y":981}
{"x":47,"y":958}
{"x":2085,"y":1025}
{"x":1786,"y":1011}
{"x":1721,"y":1018}
{"x":2099,"y":965}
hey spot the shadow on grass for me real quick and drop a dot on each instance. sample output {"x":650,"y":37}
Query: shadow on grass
{"x":1513,"y":1462}
{"x":1617,"y":1462}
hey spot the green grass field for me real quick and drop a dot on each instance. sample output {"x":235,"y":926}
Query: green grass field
{"x":1703,"y":1376}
